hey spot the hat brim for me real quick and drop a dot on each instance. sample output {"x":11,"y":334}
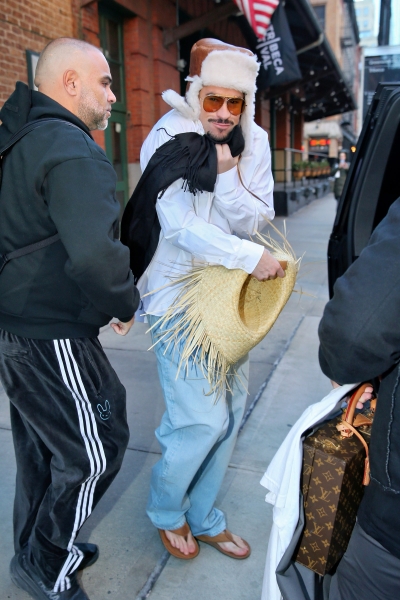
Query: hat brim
{"x":220,"y":314}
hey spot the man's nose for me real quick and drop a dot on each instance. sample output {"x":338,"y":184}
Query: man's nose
{"x":223,"y":112}
{"x":112,"y":97}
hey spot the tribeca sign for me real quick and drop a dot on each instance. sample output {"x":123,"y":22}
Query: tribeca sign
{"x":270,"y":52}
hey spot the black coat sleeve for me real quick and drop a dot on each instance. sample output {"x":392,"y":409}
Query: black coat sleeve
{"x":360,"y":328}
{"x":81,"y":202}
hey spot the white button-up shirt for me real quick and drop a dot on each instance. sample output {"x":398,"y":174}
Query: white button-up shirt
{"x":205,"y":227}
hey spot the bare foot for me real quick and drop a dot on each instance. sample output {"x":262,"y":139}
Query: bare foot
{"x":186,"y":544}
{"x":239,"y":547}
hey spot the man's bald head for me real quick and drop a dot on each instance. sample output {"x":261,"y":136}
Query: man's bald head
{"x":59,"y":55}
{"x":77,"y":75}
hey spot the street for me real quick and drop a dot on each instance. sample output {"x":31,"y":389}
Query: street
{"x":284,"y":379}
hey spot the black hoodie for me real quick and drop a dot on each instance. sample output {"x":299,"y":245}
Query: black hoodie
{"x":57,"y":179}
{"x":360,"y":340}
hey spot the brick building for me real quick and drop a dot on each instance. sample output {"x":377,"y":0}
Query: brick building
{"x":339,"y":22}
{"x":130,"y":34}
{"x":29,"y":26}
{"x":147,"y":43}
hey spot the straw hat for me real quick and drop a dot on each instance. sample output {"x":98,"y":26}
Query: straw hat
{"x":213,"y":62}
{"x":224,"y":313}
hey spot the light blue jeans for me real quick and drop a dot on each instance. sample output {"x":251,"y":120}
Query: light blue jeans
{"x":197,"y":436}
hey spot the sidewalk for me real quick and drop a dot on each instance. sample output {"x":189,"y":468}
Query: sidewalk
{"x":285,"y":378}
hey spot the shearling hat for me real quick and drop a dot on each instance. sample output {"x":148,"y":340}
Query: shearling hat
{"x":213,"y":62}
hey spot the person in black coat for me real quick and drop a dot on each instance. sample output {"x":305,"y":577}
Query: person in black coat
{"x":67,"y":405}
{"x":360,"y":340}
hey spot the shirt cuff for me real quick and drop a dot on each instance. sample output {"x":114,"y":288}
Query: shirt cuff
{"x":249,"y":256}
{"x":126,"y":319}
{"x":227,"y":182}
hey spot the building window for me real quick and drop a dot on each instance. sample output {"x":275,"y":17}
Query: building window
{"x":31,"y":62}
{"x":320,"y":12}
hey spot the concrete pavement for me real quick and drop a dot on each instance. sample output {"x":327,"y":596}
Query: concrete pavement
{"x":285,"y":378}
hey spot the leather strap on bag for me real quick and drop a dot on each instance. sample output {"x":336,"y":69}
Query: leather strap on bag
{"x":4,"y":258}
{"x":351,"y":407}
{"x":30,"y":127}
{"x":347,"y":429}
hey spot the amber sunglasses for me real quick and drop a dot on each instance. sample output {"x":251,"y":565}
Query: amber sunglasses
{"x":214,"y":103}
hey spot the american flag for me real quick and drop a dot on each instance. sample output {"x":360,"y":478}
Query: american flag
{"x":258,"y":14}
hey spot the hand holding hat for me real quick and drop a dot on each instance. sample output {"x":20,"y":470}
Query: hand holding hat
{"x":268,"y":267}
{"x":220,"y":314}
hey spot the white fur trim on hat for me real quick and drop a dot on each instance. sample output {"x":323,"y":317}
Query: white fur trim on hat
{"x":222,"y":68}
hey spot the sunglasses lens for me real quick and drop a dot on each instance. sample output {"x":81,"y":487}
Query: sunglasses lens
{"x":235,"y":106}
{"x":213,"y":103}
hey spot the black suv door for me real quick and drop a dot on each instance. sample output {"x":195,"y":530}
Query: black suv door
{"x":372,"y":184}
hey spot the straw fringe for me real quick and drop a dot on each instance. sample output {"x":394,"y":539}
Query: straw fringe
{"x":212,"y":295}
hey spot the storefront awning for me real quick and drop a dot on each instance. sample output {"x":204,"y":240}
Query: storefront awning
{"x":322,"y":91}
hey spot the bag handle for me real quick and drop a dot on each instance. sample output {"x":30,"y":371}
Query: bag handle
{"x":352,"y":403}
{"x":347,"y":429}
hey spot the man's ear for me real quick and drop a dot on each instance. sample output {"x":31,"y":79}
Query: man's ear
{"x":71,"y":82}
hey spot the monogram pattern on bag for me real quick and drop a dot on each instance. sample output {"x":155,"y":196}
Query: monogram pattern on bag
{"x":332,"y":488}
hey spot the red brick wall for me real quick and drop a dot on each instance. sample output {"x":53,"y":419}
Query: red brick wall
{"x":283,"y":124}
{"x":89,"y":22}
{"x":89,"y":30}
{"x":28,"y":25}
{"x":298,"y":130}
{"x":149,"y":70}
{"x":226,"y":30}
{"x":263,"y":114}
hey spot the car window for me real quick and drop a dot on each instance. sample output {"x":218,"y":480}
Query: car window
{"x":372,"y":183}
{"x":378,"y":182}
{"x":390,"y":189}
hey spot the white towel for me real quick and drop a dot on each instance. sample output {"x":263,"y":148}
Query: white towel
{"x":282,"y":478}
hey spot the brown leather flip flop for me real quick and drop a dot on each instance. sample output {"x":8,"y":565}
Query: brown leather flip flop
{"x":225,"y":536}
{"x":183,"y":531}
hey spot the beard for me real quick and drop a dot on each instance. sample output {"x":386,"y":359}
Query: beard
{"x":91,"y":112}
{"x":223,"y":135}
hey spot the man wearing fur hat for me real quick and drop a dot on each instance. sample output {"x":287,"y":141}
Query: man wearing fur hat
{"x":210,"y":141}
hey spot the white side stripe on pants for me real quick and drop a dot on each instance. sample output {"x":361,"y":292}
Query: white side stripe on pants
{"x":94,"y":448}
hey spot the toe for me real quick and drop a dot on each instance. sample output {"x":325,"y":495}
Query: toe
{"x":186,"y":546}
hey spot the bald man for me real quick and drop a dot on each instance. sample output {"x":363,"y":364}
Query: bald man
{"x":68,"y":407}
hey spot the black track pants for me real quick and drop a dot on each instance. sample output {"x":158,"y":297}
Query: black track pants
{"x":68,"y":417}
{"x":367,"y":571}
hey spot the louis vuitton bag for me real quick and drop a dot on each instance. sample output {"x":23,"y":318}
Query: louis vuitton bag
{"x":335,"y":470}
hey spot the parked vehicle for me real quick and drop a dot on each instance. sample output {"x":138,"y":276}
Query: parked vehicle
{"x":372,"y":184}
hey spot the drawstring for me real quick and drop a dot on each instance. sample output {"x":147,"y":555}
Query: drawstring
{"x":246,"y":188}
